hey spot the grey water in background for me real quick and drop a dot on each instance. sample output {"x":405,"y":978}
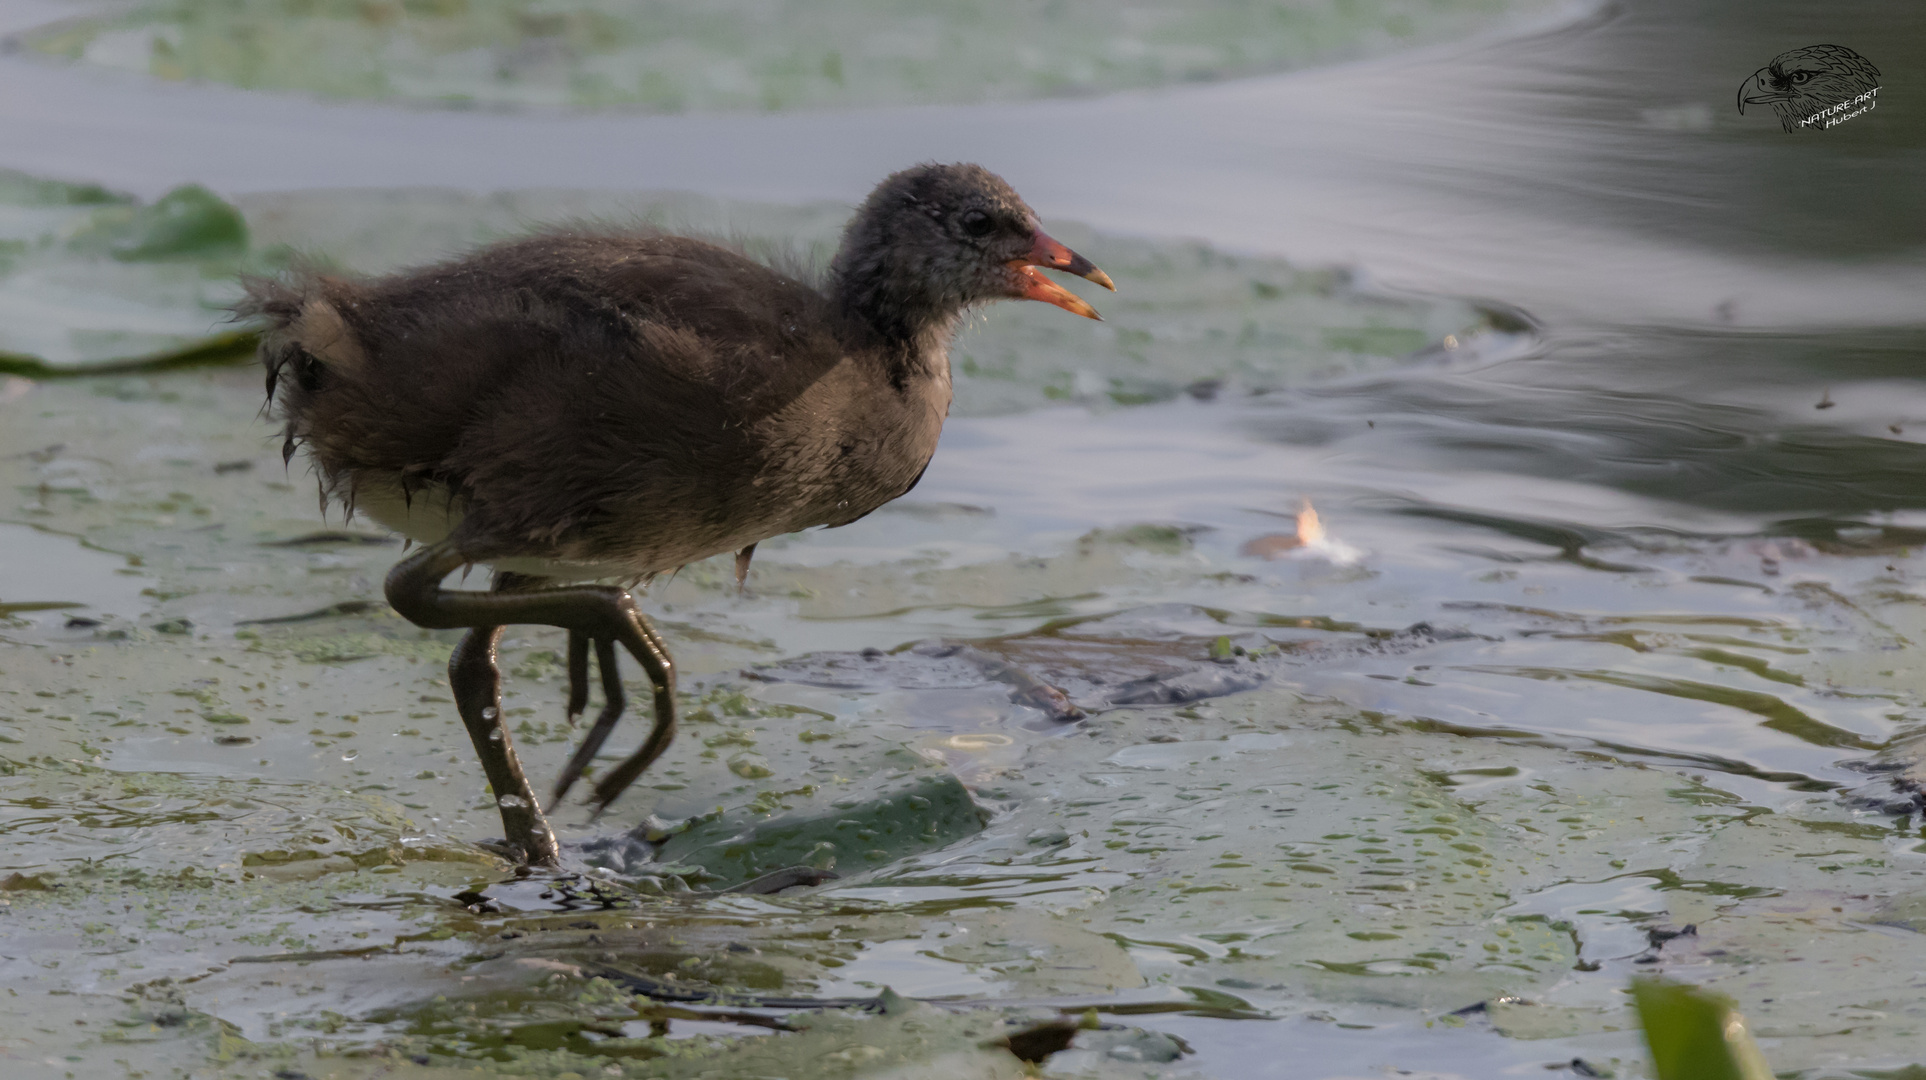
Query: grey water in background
{"x":1594,"y":170}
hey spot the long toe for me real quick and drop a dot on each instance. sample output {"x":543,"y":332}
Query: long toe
{"x":613,"y":702}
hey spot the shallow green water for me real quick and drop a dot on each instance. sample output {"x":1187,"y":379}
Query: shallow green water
{"x":1380,"y":829}
{"x":677,"y":56}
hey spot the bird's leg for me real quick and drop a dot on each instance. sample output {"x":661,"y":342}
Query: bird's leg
{"x":477,"y":683}
{"x":597,"y":612}
{"x":577,"y":675}
{"x":612,"y":702}
{"x":617,"y":780}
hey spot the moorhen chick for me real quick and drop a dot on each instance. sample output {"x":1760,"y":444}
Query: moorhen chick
{"x":586,"y":405}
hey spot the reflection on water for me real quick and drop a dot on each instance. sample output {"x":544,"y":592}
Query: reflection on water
{"x":1629,"y":122}
{"x":1773,"y":427}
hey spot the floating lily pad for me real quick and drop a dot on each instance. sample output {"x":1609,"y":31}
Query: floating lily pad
{"x":188,"y":222}
{"x":116,"y":285}
{"x":1281,"y":809}
{"x":93,"y":280}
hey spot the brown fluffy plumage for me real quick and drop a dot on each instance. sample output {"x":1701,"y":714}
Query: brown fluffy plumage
{"x":579,"y":405}
{"x":618,"y":404}
{"x":627,"y":403}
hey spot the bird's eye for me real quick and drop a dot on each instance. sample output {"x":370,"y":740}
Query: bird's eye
{"x":977,"y":223}
{"x":1800,"y":78}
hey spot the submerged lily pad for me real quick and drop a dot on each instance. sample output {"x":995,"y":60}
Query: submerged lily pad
{"x":844,"y":831}
{"x":71,"y":820}
{"x":117,"y":285}
{"x":45,"y":575}
{"x":1456,"y":777}
{"x":778,"y":54}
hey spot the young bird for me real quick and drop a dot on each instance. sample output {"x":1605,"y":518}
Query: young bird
{"x":585,"y":405}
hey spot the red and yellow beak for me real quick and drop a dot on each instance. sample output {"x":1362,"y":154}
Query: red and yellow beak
{"x":1029,"y":284}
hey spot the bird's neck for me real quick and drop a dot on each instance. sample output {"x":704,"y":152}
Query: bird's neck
{"x":909,"y":331}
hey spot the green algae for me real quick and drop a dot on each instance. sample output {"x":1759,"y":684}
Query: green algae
{"x":242,"y":773}
{"x":676,"y":56}
{"x":1257,"y":855}
{"x":65,"y":815}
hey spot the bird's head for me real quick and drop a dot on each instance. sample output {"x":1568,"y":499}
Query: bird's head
{"x":1800,"y":82}
{"x":934,"y":240}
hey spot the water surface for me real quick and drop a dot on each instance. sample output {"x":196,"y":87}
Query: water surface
{"x":1628,"y":582}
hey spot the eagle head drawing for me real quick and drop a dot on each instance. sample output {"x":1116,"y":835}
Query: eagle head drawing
{"x":1801,"y":82}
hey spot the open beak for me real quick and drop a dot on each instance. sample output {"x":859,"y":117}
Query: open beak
{"x":1032,"y":285}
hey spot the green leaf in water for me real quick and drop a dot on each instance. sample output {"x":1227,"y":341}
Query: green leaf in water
{"x":22,"y":190}
{"x":187,"y":222}
{"x":87,"y":287}
{"x":857,"y":831}
{"x":91,"y":280}
{"x":1695,"y":1034}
